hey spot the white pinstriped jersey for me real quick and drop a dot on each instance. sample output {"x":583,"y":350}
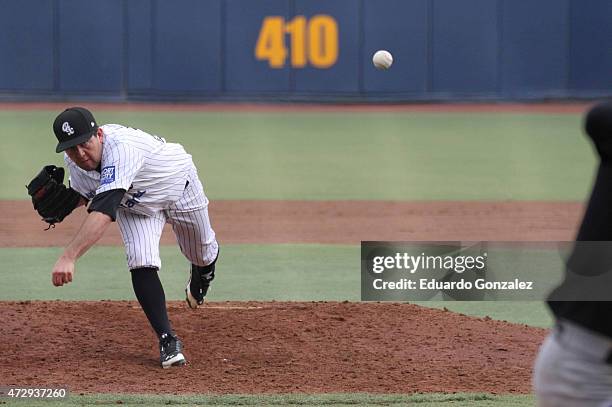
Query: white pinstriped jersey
{"x":152,"y":171}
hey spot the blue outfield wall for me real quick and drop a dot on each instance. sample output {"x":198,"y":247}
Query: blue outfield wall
{"x":305,"y":49}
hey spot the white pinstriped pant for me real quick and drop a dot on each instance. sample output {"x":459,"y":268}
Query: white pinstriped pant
{"x":190,"y":223}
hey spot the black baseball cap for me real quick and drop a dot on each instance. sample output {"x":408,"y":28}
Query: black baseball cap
{"x":73,"y":126}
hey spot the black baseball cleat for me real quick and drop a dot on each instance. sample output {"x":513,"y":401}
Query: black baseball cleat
{"x":170,"y":351}
{"x":198,"y":284}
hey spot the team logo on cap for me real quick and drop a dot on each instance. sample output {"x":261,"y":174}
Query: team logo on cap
{"x":67,"y":129}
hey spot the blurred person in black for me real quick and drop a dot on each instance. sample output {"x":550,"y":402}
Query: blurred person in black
{"x":574,"y":365}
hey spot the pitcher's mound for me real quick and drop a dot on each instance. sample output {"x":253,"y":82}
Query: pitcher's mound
{"x":266,"y":347}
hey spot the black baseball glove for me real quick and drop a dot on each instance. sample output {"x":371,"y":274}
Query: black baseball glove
{"x":50,"y":197}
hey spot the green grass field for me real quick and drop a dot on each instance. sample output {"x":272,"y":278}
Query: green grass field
{"x":326,"y":400}
{"x":326,"y":156}
{"x":310,"y":156}
{"x":247,"y":272}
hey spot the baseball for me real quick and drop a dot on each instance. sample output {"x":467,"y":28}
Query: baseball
{"x":382,"y":59}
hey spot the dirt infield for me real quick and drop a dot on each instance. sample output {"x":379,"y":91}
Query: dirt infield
{"x":286,"y":347}
{"x":266,"y":348}
{"x":332,"y":222}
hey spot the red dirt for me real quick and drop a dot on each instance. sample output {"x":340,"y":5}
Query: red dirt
{"x":286,"y":347}
{"x":332,"y":222}
{"x":269,"y":348}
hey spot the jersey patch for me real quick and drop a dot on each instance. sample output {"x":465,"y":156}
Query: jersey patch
{"x":107,"y":175}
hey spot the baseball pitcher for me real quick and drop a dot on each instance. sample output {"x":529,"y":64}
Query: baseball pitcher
{"x":140,"y":181}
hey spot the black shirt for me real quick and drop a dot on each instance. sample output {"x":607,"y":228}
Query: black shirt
{"x":593,"y":315}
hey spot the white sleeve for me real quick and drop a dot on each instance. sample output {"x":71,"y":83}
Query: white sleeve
{"x":74,"y":180}
{"x":120,"y":164}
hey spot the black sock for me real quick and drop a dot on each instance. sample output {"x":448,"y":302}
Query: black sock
{"x":150,"y":294}
{"x":208,"y":272}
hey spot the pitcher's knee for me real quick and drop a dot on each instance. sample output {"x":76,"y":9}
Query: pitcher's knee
{"x":206,"y":254}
